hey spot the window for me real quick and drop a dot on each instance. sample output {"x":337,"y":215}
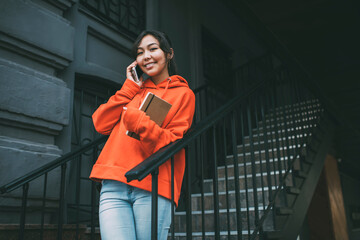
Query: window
{"x":127,"y":16}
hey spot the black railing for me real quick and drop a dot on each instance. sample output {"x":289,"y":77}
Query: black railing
{"x":61,"y":192}
{"x":48,"y":202}
{"x":240,"y":156}
{"x":259,"y":135}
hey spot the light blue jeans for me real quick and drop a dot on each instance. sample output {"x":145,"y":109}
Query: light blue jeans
{"x":125,"y":213}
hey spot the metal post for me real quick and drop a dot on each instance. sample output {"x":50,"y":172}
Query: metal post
{"x":154,"y":204}
{"x":172,"y":200}
{"x":61,"y":201}
{"x":236,"y":174}
{"x":23,"y":211}
{"x":188,"y":197}
{"x":43,"y":207}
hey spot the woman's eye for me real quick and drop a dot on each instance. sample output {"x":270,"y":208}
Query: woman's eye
{"x":139,"y":53}
{"x":153,"y":49}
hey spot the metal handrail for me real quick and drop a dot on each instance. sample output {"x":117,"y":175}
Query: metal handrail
{"x":50,"y":166}
{"x":61,"y":160}
{"x":157,"y":159}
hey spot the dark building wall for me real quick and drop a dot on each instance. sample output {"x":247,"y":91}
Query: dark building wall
{"x":49,"y":47}
{"x":35,"y":44}
{"x":45,"y":45}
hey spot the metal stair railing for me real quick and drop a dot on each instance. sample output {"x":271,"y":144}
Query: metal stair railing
{"x":24,"y":183}
{"x":88,"y":152}
{"x":272,"y":109}
{"x":280,"y":108}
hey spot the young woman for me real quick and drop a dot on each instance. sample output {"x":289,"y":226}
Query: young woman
{"x":125,"y":208}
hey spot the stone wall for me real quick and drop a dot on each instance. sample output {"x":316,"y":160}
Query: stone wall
{"x":35,"y":43}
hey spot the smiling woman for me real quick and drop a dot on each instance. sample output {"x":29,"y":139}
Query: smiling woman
{"x":125,"y":208}
{"x":152,"y":60}
{"x":154,"y":54}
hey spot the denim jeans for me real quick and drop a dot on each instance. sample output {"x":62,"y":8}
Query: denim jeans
{"x":125,"y":213}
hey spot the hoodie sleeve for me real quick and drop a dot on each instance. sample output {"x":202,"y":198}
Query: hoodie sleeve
{"x":152,"y":136}
{"x":108,"y":114}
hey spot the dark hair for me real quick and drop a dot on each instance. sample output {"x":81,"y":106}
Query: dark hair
{"x":165,"y":45}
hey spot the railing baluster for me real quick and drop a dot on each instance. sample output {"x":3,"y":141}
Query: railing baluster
{"x":202,"y":187}
{"x":242,"y":123}
{"x":294,"y":140}
{"x":93,"y":199}
{"x":23,"y":211}
{"x":259,"y":149}
{"x":172,"y":200}
{"x":253,"y":170}
{"x":236,"y":175}
{"x":266,"y":146}
{"x":271,"y":135}
{"x":154,"y":205}
{"x":278,"y":145}
{"x":286,"y":131}
{"x":227,"y":178}
{"x":61,"y":201}
{"x":188,"y":196}
{"x":77,"y":197}
{"x":298,"y":116}
{"x":215,"y":187}
{"x":43,"y":207}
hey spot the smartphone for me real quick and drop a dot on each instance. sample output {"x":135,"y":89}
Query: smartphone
{"x":136,"y":72}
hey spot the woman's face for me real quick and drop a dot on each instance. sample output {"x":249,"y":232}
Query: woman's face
{"x":152,"y":59}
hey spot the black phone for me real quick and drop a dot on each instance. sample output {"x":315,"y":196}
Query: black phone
{"x":137,"y":72}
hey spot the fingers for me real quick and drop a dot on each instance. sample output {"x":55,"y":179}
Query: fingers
{"x":128,"y":71}
{"x":129,"y":74}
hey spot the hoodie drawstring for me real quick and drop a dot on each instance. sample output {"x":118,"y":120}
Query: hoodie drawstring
{"x":166,"y":88}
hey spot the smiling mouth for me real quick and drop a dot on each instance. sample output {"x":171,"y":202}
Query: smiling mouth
{"x":149,"y":65}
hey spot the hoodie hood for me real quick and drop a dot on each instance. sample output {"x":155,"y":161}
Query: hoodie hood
{"x":171,"y":82}
{"x":174,"y":81}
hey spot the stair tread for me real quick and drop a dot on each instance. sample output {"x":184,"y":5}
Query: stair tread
{"x":272,"y":173}
{"x":232,"y":192}
{"x":279,"y":131}
{"x":271,"y":160}
{"x":222,"y":233}
{"x":270,"y":150}
{"x":223,"y":210}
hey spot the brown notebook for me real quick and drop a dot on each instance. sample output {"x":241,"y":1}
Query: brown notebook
{"x":156,"y":108}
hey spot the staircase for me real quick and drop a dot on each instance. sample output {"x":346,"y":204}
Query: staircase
{"x":274,"y":149}
{"x":266,"y":153}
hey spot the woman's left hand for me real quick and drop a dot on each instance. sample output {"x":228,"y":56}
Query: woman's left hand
{"x":129,"y":74}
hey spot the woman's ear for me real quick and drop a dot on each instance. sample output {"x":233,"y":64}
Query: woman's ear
{"x":171,"y":54}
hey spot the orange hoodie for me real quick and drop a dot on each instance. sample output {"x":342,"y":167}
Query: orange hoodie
{"x":121,"y":152}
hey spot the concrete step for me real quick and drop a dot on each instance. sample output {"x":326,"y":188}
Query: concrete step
{"x":296,"y":108}
{"x":228,"y":199}
{"x":224,"y":235}
{"x":303,"y":115}
{"x":246,"y":181}
{"x":224,"y":216}
{"x":281,"y":130}
{"x":260,"y":166}
{"x":258,"y":141}
{"x":258,"y":155}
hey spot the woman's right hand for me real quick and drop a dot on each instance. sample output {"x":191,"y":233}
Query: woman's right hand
{"x":129,"y":74}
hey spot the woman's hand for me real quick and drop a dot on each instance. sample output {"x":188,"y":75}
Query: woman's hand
{"x":129,"y":74}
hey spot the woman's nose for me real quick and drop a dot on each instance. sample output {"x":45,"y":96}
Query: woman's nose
{"x":147,"y":55}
